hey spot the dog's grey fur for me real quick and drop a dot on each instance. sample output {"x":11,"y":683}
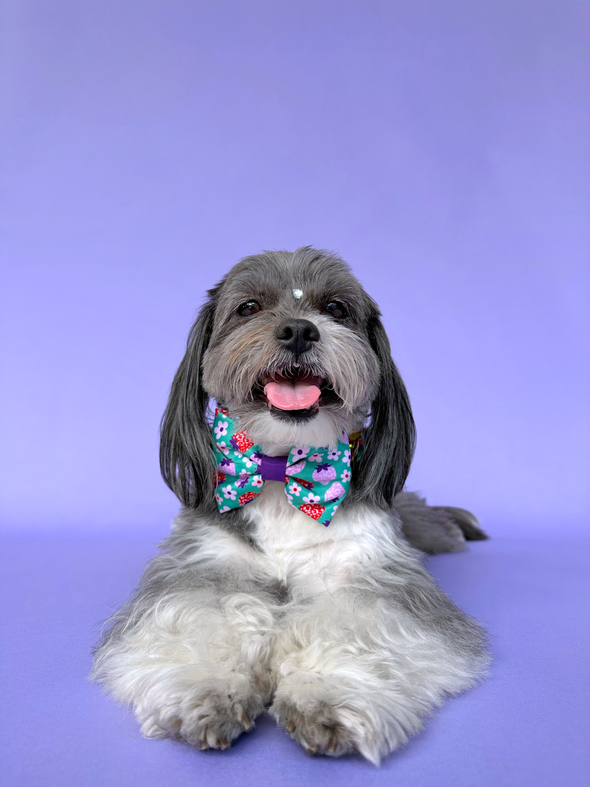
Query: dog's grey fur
{"x":339,"y":631}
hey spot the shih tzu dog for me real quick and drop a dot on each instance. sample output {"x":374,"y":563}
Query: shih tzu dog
{"x":292,"y":580}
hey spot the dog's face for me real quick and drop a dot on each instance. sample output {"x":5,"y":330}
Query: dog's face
{"x":294,"y":348}
{"x":289,"y":354}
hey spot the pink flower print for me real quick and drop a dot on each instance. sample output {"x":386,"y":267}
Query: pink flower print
{"x":218,"y":497}
{"x":300,"y":452}
{"x":333,"y":455}
{"x":346,"y":475}
{"x":220,"y":429}
{"x":316,"y":457}
{"x":223,"y":447}
{"x":311,"y":498}
{"x":257,"y":481}
{"x":346,"y":457}
{"x":324,"y":474}
{"x":228,"y":492}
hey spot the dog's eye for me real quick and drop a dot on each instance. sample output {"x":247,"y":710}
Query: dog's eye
{"x":336,"y":309}
{"x":248,"y":308}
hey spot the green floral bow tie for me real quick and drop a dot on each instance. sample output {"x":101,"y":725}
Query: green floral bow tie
{"x":316,"y":479}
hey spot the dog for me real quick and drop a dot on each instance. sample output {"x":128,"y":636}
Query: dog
{"x":296,"y":584}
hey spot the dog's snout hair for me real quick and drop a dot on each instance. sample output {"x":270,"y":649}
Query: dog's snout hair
{"x":297,"y":335}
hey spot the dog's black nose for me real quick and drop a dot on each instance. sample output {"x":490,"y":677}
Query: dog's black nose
{"x":297,"y":335}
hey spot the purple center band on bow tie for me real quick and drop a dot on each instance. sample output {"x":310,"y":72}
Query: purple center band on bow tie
{"x":273,"y":468}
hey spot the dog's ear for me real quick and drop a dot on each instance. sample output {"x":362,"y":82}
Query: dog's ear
{"x":390,"y":437}
{"x":186,"y":456}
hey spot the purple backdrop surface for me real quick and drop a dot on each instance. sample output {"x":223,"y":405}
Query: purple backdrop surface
{"x":442,"y":148}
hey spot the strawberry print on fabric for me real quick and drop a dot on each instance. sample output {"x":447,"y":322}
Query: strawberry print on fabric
{"x":247,"y":497}
{"x":334,"y":492}
{"x":241,"y":441}
{"x":314,"y":510}
{"x":312,"y":485}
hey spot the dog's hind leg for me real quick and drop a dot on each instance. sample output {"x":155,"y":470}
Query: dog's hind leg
{"x":434,"y":529}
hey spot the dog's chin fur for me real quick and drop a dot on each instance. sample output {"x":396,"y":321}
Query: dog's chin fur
{"x":276,"y":436}
{"x":340,"y":633}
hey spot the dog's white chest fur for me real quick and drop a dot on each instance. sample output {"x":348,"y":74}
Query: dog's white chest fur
{"x":299,"y":552}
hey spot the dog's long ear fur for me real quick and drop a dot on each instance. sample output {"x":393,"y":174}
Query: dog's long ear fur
{"x":186,"y":457}
{"x":390,"y":437}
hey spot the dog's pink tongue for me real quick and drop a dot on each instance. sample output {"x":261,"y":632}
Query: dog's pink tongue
{"x":292,"y":396}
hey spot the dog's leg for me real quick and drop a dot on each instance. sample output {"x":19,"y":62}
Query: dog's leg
{"x":435,"y":529}
{"x":192,"y":663}
{"x":359,"y":669}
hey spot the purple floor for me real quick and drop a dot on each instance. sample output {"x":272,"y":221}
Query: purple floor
{"x":526,"y":725}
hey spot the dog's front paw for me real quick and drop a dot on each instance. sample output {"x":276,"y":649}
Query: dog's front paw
{"x":325,"y":718}
{"x":211,"y":714}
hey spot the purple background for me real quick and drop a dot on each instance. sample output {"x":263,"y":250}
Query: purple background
{"x":443,"y":149}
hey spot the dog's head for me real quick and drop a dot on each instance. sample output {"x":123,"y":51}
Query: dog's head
{"x":294,"y":348}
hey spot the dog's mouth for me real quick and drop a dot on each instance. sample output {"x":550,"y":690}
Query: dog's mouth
{"x":294,"y":394}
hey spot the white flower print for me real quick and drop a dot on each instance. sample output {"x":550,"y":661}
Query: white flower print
{"x":247,"y":462}
{"x":345,"y":476}
{"x":316,"y":457}
{"x":220,"y":430}
{"x":300,"y":451}
{"x":311,"y":498}
{"x":229,"y":492}
{"x":257,"y":481}
{"x":218,"y":497}
{"x":334,"y":455}
{"x":294,"y":489}
{"x":223,"y":447}
{"x":346,"y":457}
{"x":290,"y":498}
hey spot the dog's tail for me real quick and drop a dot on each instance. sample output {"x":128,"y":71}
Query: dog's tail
{"x":434,"y":529}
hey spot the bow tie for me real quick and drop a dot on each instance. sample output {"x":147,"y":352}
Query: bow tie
{"x":315,"y":479}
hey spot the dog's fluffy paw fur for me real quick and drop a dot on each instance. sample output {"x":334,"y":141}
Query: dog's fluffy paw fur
{"x":210,"y":715}
{"x":326,"y":719}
